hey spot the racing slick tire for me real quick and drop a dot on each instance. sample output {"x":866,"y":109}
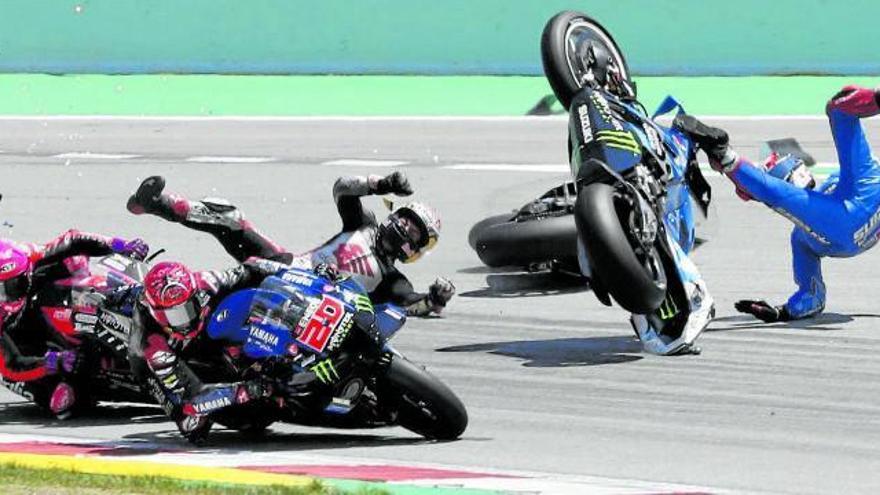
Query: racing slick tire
{"x":501,"y":241}
{"x":638,"y":285}
{"x":556,"y":54}
{"x":424,"y":404}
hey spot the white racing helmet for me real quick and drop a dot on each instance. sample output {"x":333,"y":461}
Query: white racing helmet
{"x":409,"y":232}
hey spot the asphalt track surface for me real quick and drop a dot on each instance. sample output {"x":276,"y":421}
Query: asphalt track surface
{"x":553,"y":380}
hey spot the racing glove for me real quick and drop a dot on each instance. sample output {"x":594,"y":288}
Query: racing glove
{"x":136,"y":248}
{"x":253,"y":389}
{"x":763,"y":311}
{"x":61,"y":362}
{"x":855,"y":100}
{"x":328,"y":271}
{"x":439,"y":293}
{"x":394,"y":183}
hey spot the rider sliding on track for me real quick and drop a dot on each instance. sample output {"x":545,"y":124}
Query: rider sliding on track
{"x":364,"y":249}
{"x":170,"y":311}
{"x":839,"y":218}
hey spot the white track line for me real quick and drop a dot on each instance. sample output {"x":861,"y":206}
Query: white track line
{"x":510,"y":167}
{"x":231,"y":159}
{"x":98,"y":156}
{"x":351,"y":162}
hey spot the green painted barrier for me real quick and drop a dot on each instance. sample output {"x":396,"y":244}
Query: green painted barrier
{"x":219,"y":95}
{"x":685,"y":37}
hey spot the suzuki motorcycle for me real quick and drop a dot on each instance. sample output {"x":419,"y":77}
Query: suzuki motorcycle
{"x":326,"y":349}
{"x":634,"y":179}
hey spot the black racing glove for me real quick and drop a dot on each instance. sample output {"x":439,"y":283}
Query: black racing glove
{"x":440,"y":292}
{"x":763,"y":311}
{"x":327,"y":270}
{"x":253,"y":389}
{"x":394,"y":183}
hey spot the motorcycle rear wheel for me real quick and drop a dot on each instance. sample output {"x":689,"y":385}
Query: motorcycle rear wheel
{"x":523,"y":243}
{"x":636,"y":282}
{"x":425,"y":405}
{"x":559,"y":41}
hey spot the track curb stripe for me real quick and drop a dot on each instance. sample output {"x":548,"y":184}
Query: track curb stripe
{"x":146,"y":468}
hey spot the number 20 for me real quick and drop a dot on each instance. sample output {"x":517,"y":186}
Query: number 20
{"x":322,"y":323}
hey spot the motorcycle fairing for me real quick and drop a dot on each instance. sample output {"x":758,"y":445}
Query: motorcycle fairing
{"x":596,"y":133}
{"x":657,"y":331}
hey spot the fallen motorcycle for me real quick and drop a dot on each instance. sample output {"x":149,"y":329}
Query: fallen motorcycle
{"x":633,"y":179}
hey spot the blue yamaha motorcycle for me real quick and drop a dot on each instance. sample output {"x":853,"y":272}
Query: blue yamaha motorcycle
{"x":326,"y":348}
{"x":634,"y":181}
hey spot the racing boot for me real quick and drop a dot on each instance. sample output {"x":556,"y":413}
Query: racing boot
{"x":195,"y":428}
{"x":62,"y":401}
{"x":149,"y":198}
{"x":712,"y":140}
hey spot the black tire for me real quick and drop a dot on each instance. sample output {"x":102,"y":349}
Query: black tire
{"x":510,"y":243}
{"x":425,"y":405}
{"x":555,"y":53}
{"x":484,"y":224}
{"x":630,"y":282}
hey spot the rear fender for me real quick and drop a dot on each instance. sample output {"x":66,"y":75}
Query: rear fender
{"x":593,"y":170}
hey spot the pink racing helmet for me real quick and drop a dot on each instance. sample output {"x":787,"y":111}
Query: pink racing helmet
{"x":169,"y":294}
{"x":15,"y":272}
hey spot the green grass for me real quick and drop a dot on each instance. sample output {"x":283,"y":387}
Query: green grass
{"x":18,"y":480}
{"x":91,"y":94}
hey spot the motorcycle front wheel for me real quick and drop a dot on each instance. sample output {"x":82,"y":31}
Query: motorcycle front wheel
{"x":637,"y":281}
{"x":424,"y":404}
{"x":563,"y":35}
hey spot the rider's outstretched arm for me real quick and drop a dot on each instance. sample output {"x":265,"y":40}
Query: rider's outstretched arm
{"x":397,"y":289}
{"x":74,"y":242}
{"x":348,"y":190}
{"x":347,"y":193}
{"x":15,"y":366}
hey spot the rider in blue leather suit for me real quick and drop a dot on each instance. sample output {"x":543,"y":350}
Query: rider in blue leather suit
{"x":840,"y":218}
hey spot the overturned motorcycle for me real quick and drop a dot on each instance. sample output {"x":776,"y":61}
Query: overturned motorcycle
{"x":630,"y":195}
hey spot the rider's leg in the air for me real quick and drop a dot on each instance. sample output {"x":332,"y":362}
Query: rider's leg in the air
{"x":837,"y":219}
{"x":219,"y":218}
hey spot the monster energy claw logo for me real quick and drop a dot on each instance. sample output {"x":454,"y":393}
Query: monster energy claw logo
{"x":362,"y":303}
{"x":325,"y":371}
{"x":618,"y":139}
{"x":668,"y":309}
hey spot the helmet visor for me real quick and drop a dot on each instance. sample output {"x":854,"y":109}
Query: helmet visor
{"x":180,"y":316}
{"x":14,"y":289}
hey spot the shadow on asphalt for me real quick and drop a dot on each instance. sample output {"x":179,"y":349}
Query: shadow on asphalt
{"x":561,"y":352}
{"x":28,"y":413}
{"x":232,"y":441}
{"x":524,"y":284}
{"x":482,"y":270}
{"x":823,"y":322}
